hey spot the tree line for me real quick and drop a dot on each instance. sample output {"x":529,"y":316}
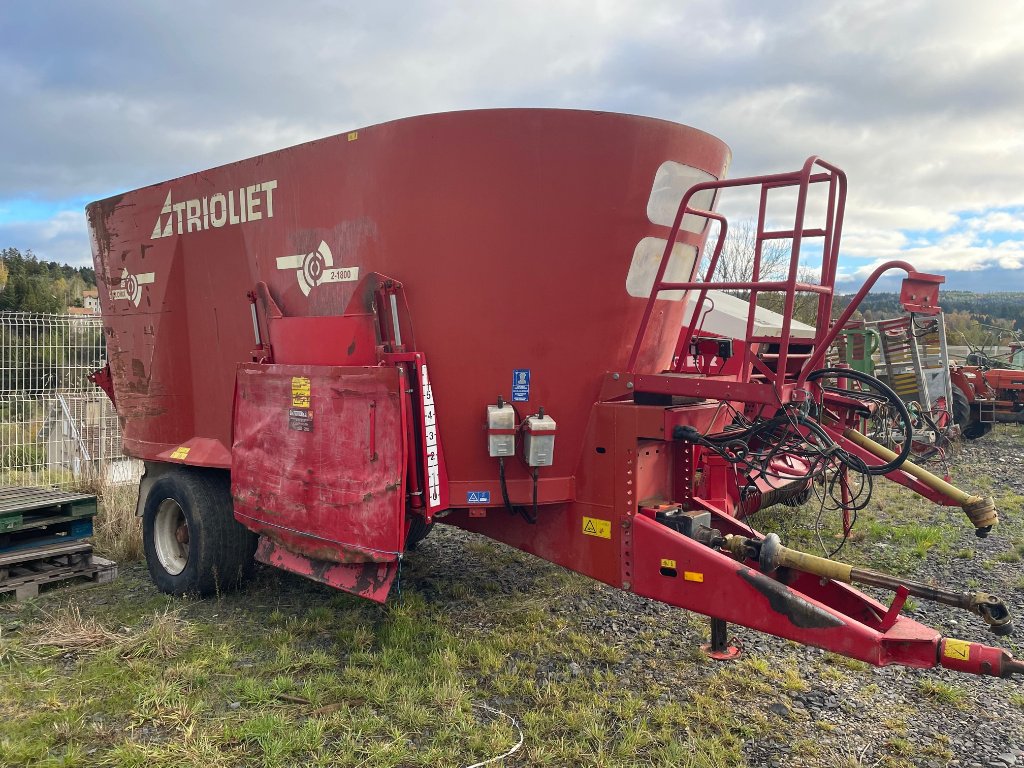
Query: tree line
{"x":28,"y":284}
{"x":974,"y":319}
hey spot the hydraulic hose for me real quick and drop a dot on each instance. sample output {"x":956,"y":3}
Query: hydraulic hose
{"x":893,"y":460}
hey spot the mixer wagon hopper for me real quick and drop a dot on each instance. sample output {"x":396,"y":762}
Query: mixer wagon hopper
{"x":477,"y":319}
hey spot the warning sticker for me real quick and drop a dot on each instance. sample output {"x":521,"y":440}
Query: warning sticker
{"x":300,"y":392}
{"x":300,"y":419}
{"x":957,"y":649}
{"x":595,"y":526}
{"x":478,"y":497}
{"x":180,"y":453}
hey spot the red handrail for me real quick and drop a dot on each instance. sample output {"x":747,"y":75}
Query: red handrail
{"x":830,"y":233}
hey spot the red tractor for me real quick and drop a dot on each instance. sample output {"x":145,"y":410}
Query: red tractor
{"x":975,"y":401}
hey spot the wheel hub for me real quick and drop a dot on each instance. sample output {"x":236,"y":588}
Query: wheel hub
{"x":170,"y":537}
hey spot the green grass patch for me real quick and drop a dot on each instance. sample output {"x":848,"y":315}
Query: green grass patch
{"x":942,"y":692}
{"x":263,"y":679}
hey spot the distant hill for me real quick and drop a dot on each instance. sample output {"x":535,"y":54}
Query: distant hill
{"x":989,"y":308}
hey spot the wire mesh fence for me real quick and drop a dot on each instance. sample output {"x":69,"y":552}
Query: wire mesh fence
{"x":57,"y":427}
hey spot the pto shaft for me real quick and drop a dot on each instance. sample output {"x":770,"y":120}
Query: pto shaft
{"x":770,"y":555}
{"x":980,"y":510}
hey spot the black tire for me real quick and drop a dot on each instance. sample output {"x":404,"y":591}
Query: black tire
{"x":418,"y":530}
{"x":976,"y":429}
{"x":961,"y":408}
{"x":193,"y":543}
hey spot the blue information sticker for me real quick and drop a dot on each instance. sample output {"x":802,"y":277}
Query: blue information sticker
{"x":520,"y":385}
{"x":478,"y":497}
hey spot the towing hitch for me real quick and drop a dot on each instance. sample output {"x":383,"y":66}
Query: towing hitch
{"x":771,"y":555}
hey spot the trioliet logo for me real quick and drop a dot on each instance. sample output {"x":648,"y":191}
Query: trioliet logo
{"x":221,"y":209}
{"x":130,"y":287}
{"x":317,"y":267}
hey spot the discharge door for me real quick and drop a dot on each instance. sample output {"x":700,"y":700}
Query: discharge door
{"x":319,"y":457}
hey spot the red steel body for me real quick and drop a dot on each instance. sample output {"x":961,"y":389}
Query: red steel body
{"x":275,"y":317}
{"x":512,"y":231}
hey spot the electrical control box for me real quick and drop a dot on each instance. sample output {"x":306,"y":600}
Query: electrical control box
{"x":501,"y":430}
{"x":539,"y":441}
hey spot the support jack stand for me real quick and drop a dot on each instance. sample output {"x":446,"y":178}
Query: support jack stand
{"x":719,"y":648}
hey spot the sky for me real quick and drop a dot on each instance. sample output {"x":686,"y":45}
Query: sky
{"x":919,"y":102}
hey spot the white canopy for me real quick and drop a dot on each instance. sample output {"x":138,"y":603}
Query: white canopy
{"x":728,"y":317}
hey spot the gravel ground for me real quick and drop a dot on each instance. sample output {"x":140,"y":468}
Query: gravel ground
{"x":850,"y":714}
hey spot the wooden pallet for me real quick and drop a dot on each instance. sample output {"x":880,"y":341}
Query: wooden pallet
{"x":24,"y":571}
{"x":32,"y":507}
{"x":56,"y":530}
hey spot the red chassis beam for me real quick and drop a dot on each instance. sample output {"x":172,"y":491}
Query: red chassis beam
{"x":639,"y":466}
{"x":680,"y":571}
{"x":832,"y":616}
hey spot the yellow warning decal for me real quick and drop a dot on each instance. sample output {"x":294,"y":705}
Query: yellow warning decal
{"x":693,"y":576}
{"x":180,"y":453}
{"x":957,"y":649}
{"x":353,"y":135}
{"x":300,"y":392}
{"x":668,"y":563}
{"x":595,"y":526}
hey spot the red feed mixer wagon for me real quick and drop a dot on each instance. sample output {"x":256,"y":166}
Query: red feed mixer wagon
{"x":476,"y":318}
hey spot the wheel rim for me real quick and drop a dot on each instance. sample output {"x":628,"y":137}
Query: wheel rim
{"x":170,"y":537}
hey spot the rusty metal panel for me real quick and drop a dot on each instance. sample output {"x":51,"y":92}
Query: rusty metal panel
{"x":318,"y":459}
{"x":370,"y":580}
{"x":467,"y":209}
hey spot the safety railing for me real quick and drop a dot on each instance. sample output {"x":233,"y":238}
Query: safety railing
{"x":816,"y":174}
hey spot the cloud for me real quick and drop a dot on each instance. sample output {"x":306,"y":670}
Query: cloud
{"x":956,"y":252}
{"x":918,"y":101}
{"x":61,"y":237}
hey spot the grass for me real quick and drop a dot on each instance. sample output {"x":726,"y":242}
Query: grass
{"x":1014,"y":554}
{"x":117,"y":530}
{"x":265,"y":680}
{"x":943,"y":693}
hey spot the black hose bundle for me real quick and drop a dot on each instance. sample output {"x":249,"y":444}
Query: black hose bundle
{"x":796,"y":430}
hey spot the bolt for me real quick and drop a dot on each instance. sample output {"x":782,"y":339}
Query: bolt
{"x":615,"y":377}
{"x":627,"y":585}
{"x":629,"y":385}
{"x":626,"y":524}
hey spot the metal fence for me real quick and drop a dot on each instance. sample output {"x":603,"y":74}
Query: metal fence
{"x":56,"y":427}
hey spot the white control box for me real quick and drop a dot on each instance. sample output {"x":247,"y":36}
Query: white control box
{"x":501,"y":430}
{"x":539,"y":441}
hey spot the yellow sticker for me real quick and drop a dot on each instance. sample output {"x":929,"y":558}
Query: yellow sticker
{"x":300,"y":392}
{"x":693,"y":576}
{"x":353,"y":135}
{"x":595,"y":526}
{"x":180,"y":453}
{"x":668,"y":563}
{"x":957,"y":649}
